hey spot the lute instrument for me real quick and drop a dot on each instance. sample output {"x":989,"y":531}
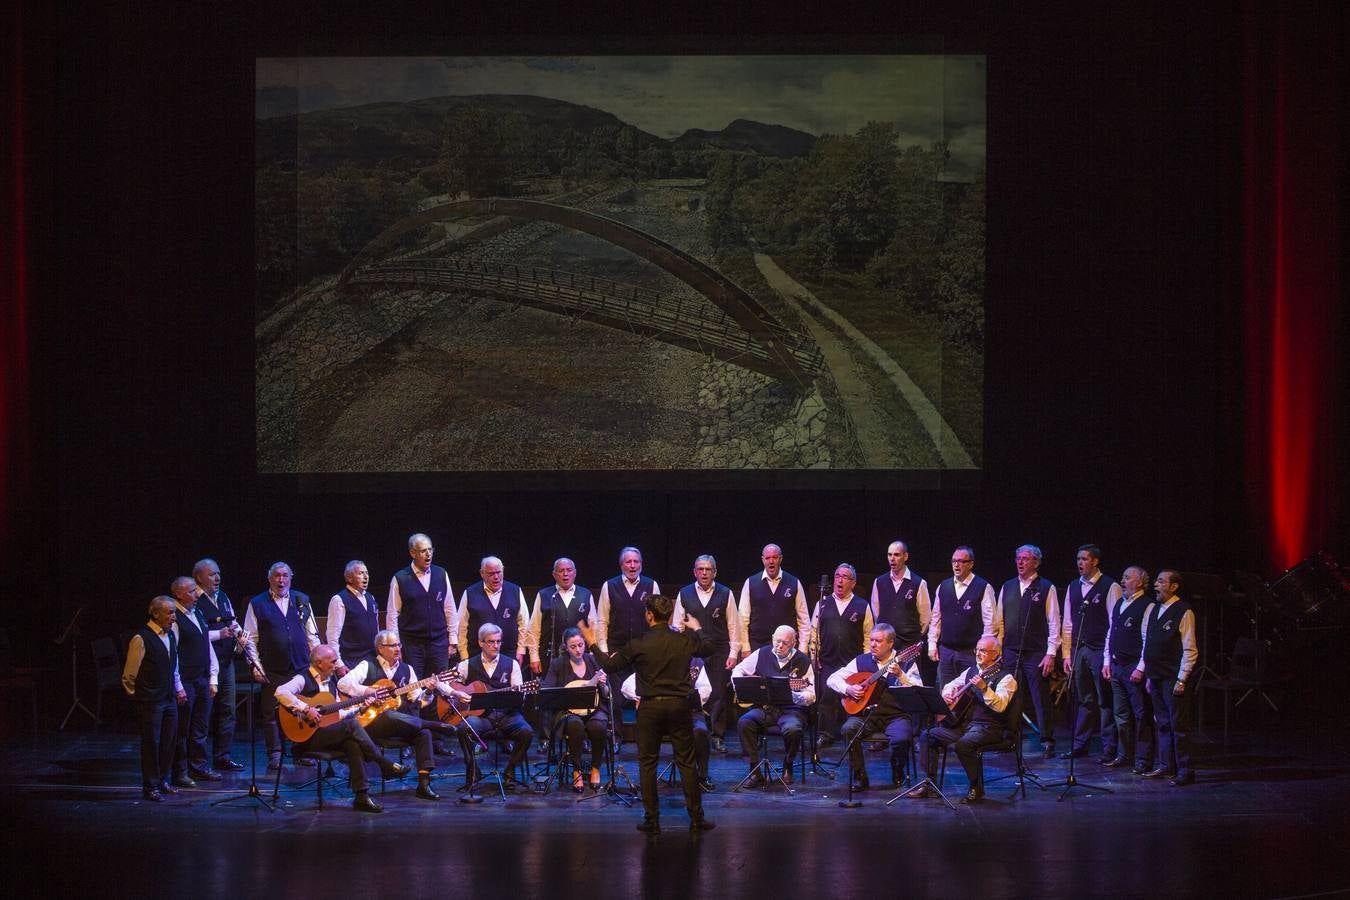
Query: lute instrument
{"x":963,"y":701}
{"x":870,"y":680}
{"x":452,"y":713}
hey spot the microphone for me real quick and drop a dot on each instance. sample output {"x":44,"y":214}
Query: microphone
{"x":824,"y":585}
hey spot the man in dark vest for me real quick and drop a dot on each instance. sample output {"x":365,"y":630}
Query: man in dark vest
{"x":1168,"y":661}
{"x":1125,"y":647}
{"x":150,"y":678}
{"x":986,"y":722}
{"x":353,"y":619}
{"x":198,"y":671}
{"x":660,"y":658}
{"x":493,"y":599}
{"x":780,"y":659}
{"x":421,"y":609}
{"x":1088,"y":602}
{"x":771,"y":598}
{"x":1028,"y":608}
{"x":710,"y":604}
{"x":346,"y":734}
{"x":841,"y":625}
{"x":900,"y":598}
{"x":405,"y":722}
{"x":281,"y":629}
{"x":965,"y":610}
{"x":496,"y":671}
{"x":564,"y":605}
{"x":225,"y":633}
{"x":887,"y":718}
{"x":620,"y":611}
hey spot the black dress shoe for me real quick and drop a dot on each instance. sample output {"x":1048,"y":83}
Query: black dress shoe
{"x":205,"y":775}
{"x":1116,"y":761}
{"x":509,"y":783}
{"x":273,"y":762}
{"x":183,"y":781}
{"x":787,"y":774}
{"x":701,"y":825}
{"x":228,"y":765}
{"x":1074,"y":754}
{"x":718,"y":744}
{"x":1160,"y":772}
{"x":1047,"y":751}
{"x":1108,"y":760}
{"x":152,"y":795}
{"x":305,"y":761}
{"x":650,"y":826}
{"x":166,"y":787}
{"x":922,"y":792}
{"x":396,"y":770}
{"x":756,"y":780}
{"x":860,"y":782}
{"x":424,"y":788}
{"x":824,"y":741}
{"x":363,"y":803}
{"x":1182,"y":780}
{"x":1140,"y":768}
{"x":974,"y":795}
{"x":706,"y":786}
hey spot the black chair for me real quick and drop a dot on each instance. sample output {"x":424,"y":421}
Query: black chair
{"x":1011,"y":743}
{"x":107,"y":671}
{"x":766,"y":769}
{"x":1248,"y":672}
{"x":323,"y":760}
{"x":391,"y":743}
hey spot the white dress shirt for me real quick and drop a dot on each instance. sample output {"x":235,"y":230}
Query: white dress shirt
{"x":746,"y":668}
{"x":190,"y":616}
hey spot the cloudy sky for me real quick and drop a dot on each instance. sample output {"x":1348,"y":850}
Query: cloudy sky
{"x":929,"y":97}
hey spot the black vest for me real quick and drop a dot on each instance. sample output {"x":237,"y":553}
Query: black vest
{"x":963,"y":619}
{"x":217,"y":612}
{"x":981,"y":712}
{"x":283,"y":648}
{"x":899,"y":609}
{"x":1162,"y":649}
{"x":555,"y":617}
{"x":1127,"y":640}
{"x":359,"y":627}
{"x":194,"y":660}
{"x":627,"y":613}
{"x":1029,"y":610}
{"x":478,"y":611}
{"x":769,"y":609}
{"x":840,"y":635}
{"x":766,"y":666}
{"x":500,"y":679}
{"x":312,"y":686}
{"x":1090,"y":620}
{"x":375,"y":673}
{"x":421,"y":615}
{"x":154,"y":680}
{"x":712,"y":619}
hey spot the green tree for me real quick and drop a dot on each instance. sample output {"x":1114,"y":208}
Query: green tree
{"x":960,"y":286}
{"x":483,"y":150}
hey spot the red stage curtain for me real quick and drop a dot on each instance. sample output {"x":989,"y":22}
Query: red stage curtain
{"x":1291,"y":69}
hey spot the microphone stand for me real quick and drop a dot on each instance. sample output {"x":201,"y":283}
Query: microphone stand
{"x":816,"y":763}
{"x":851,"y":803}
{"x":252,"y":793}
{"x":1070,"y":782}
{"x":1023,"y":773}
{"x":611,"y":787}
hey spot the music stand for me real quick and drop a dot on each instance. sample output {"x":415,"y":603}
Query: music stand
{"x":774,"y":690}
{"x":489,"y":701}
{"x":71,"y":634}
{"x":564,"y":699}
{"x":921,"y":702}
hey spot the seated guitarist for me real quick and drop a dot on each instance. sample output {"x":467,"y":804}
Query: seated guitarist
{"x":362,"y":681}
{"x":991,"y":689}
{"x":346,"y":734}
{"x":578,"y":665}
{"x":780,"y":658}
{"x":887,"y":718}
{"x":496,"y":672}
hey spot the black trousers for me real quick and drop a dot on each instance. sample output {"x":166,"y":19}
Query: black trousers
{"x":967,"y":739}
{"x":1172,"y":714}
{"x":657,"y":717}
{"x":510,"y":726}
{"x":222,"y":715}
{"x":1133,"y":712}
{"x":1027,"y":671}
{"x":898,"y":729}
{"x":193,"y":719}
{"x":719,"y":701}
{"x":158,"y":721}
{"x":349,"y":737}
{"x":791,"y":722}
{"x":402,"y":726}
{"x":1094,"y":699}
{"x":576,"y":730}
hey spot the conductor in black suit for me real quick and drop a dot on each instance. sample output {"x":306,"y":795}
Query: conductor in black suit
{"x":661,"y":660}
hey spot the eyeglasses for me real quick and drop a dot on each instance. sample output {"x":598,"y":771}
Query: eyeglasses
{"x":491,"y":641}
{"x":395,"y":644}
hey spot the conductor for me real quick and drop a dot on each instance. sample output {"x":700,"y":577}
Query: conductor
{"x":661,"y":660}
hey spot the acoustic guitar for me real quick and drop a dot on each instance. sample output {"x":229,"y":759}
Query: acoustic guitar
{"x":451,"y":713}
{"x":299,"y":729}
{"x":393,"y":694}
{"x":870,"y":680}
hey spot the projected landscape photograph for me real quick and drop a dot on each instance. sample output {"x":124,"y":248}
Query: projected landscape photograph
{"x":506,"y":264}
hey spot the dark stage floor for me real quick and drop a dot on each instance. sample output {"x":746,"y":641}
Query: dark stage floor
{"x":1266,"y":819}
